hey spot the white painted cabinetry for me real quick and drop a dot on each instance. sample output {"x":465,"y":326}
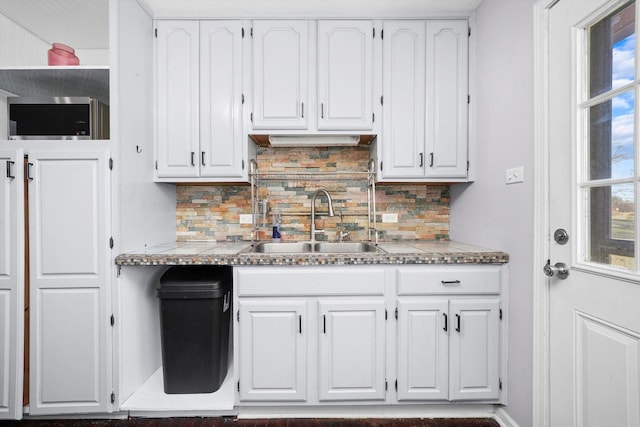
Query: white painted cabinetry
{"x":449,"y":333}
{"x":68,"y":187}
{"x":345,"y":75}
{"x":310,"y":335}
{"x":313,"y":75}
{"x":281,"y":74}
{"x":70,"y":333}
{"x":425,"y":89}
{"x":11,"y":282}
{"x":274,"y":341}
{"x":198,"y":86}
{"x":352,"y":347}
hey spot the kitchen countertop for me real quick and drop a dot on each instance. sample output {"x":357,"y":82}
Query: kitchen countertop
{"x":234,"y":253}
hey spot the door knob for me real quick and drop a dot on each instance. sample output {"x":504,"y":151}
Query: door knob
{"x":559,"y":269}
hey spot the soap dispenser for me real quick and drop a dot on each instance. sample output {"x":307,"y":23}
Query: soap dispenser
{"x":277,"y":221}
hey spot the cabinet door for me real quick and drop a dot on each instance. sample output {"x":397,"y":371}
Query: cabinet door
{"x":177,"y":98}
{"x":352,"y":350}
{"x":220,"y":99}
{"x":475,"y":344}
{"x":281,"y":74}
{"x":423,"y":356}
{"x":345,"y":75}
{"x":403,"y":125}
{"x":69,"y":281}
{"x":273,"y":350}
{"x":11,"y":282}
{"x":447,"y":98}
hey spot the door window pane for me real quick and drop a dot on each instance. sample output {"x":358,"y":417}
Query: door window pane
{"x":611,"y":224}
{"x":612,"y":51}
{"x":611,"y":138}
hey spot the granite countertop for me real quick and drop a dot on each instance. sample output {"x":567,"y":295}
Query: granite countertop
{"x":235,"y":253}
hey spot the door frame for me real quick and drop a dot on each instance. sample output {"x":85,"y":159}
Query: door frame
{"x":541,"y":224}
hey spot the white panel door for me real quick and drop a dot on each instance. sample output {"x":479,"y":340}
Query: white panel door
{"x":281,"y":74}
{"x":177,"y":98}
{"x":273,"y":350}
{"x":352,"y":350}
{"x":474,"y":369}
{"x":69,"y":275}
{"x":403,"y":125}
{"x":423,"y":349}
{"x":447,"y":99}
{"x":345,"y":75}
{"x":11,"y":282}
{"x":220,"y":99}
{"x":592,"y":187}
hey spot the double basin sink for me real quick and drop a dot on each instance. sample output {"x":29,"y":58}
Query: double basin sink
{"x":311,"y":247}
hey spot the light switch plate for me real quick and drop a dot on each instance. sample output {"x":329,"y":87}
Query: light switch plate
{"x":514,"y":175}
{"x":245,"y":219}
{"x":389,"y":217}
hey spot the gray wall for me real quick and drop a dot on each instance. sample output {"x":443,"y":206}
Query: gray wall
{"x":488,"y":212}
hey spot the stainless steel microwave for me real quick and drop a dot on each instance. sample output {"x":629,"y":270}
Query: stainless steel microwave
{"x":68,"y":117}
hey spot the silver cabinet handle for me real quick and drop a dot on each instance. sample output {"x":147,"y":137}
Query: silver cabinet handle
{"x":193,"y":156}
{"x":202,"y":159}
{"x":450,"y":282}
{"x":446,"y":320}
{"x":9,"y":164}
{"x":421,"y":159}
{"x":29,"y":177}
{"x":458,"y":322}
{"x":322,"y":110}
{"x":431,"y":160}
{"x":303,"y":110}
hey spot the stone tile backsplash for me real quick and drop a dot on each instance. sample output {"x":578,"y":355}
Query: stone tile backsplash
{"x":211,"y":212}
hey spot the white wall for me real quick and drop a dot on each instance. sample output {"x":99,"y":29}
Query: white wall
{"x":21,"y":46}
{"x":489,"y":212}
{"x":146,"y":211}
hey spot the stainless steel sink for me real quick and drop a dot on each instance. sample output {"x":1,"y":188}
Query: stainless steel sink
{"x":308,"y":247}
{"x":282,"y":248}
{"x":344,"y":247}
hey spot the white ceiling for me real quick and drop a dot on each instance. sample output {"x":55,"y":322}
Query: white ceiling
{"x":305,"y":8}
{"x":81,"y":24}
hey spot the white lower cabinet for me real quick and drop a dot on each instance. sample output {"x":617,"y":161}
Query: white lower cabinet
{"x":449,"y":333}
{"x":448,"y":349}
{"x":274,"y":357}
{"x":322,"y":335}
{"x":310,"y":335}
{"x":352,"y":348}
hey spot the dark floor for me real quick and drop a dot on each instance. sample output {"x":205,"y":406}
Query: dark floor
{"x":232,"y":422}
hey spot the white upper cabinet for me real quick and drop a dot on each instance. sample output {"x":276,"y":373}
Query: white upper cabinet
{"x":425,"y":89}
{"x":177,"y":98}
{"x":313,"y":76}
{"x":345,"y":75}
{"x":221,"y":99}
{"x":281,"y":74}
{"x":199,"y":75}
{"x":447,"y":99}
{"x":404,"y":99}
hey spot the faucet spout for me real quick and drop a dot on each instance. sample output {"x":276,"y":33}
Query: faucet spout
{"x":315,"y":230}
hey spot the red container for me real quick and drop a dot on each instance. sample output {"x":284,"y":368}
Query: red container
{"x":61,"y":54}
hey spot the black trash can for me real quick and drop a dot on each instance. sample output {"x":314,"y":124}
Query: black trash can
{"x":195,"y":311}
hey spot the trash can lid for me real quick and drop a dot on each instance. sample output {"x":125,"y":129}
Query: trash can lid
{"x":197,"y":277}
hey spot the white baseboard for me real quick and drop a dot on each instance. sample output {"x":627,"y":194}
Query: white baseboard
{"x":503,"y":418}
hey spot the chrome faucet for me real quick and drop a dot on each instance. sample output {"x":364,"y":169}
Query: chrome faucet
{"x":315,"y":230}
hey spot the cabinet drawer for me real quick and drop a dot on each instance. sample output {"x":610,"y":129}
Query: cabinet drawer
{"x":473,"y":279}
{"x":301,"y":281}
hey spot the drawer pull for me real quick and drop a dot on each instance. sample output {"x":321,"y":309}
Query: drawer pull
{"x":450,"y":282}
